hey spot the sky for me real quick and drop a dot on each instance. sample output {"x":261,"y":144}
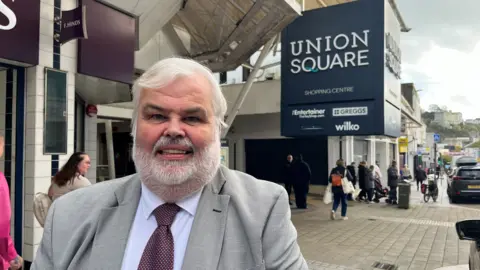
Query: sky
{"x":441,"y":54}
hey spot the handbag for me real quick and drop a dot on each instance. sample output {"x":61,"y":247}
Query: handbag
{"x":327,"y":196}
{"x":41,"y":204}
{"x":347,"y":186}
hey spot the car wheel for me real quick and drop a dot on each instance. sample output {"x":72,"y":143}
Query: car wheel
{"x":453,"y":199}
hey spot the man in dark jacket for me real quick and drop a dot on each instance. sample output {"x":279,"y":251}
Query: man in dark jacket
{"x":351,"y":170}
{"x":302,"y":181}
{"x":392,"y":173}
{"x":420,"y":176}
{"x":288,"y":176}
{"x":362,"y":177}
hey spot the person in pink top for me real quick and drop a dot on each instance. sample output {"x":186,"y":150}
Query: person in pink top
{"x":9,"y":259}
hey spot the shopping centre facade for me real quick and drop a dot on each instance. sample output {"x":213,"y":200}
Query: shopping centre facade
{"x":66,"y":73}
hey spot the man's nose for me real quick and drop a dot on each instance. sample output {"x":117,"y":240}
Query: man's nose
{"x":174,"y":129}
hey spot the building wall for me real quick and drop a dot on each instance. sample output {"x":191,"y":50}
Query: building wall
{"x":260,"y":126}
{"x":38,"y":166}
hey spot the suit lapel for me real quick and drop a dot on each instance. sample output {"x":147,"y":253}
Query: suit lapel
{"x":208,"y":229}
{"x":114,"y":225}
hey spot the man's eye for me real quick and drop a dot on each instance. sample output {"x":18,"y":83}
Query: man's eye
{"x":192,"y":119}
{"x":157,"y":117}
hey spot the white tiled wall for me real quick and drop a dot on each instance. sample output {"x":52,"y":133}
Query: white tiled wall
{"x":91,"y":146}
{"x":37,"y":165}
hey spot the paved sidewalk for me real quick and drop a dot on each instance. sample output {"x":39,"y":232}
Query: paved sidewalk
{"x":422,"y":237}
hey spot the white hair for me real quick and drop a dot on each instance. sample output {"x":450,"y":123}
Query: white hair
{"x":167,"y":70}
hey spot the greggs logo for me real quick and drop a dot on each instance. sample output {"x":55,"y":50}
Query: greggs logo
{"x":11,"y":17}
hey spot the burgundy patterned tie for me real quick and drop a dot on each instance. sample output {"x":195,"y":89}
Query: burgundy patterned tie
{"x":158,"y":254}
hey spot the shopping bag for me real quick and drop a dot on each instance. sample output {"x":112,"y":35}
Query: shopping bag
{"x":355,"y":194}
{"x":347,"y":186}
{"x":327,"y":196}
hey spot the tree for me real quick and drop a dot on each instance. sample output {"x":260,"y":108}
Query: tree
{"x":446,"y":159}
{"x":458,"y":148}
{"x":434,"y":108}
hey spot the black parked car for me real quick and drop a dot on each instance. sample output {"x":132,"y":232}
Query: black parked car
{"x":470,"y":230}
{"x":464,"y":182}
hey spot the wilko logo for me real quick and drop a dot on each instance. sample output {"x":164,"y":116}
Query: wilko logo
{"x":11,"y":18}
{"x":347,"y":126}
{"x":350,"y":111}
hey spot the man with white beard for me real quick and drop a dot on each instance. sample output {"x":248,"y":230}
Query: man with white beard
{"x":182,"y":210}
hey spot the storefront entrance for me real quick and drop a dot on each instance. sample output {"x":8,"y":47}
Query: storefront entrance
{"x":12,"y":124}
{"x":265,"y":158}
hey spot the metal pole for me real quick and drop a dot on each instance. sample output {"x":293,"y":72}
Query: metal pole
{"x":247,"y":86}
{"x":110,"y":151}
{"x":435,"y":160}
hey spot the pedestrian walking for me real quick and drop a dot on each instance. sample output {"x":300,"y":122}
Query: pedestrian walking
{"x":393,"y":182}
{"x":370,"y":183}
{"x":302,"y":175}
{"x":362,"y":177}
{"x":339,"y":197}
{"x":420,"y":176}
{"x":288,"y":176}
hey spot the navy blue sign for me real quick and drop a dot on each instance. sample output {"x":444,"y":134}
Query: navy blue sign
{"x":330,"y":118}
{"x":334,"y":54}
{"x":333,"y":65}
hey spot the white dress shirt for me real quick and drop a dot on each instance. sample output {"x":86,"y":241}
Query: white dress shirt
{"x":145,"y":224}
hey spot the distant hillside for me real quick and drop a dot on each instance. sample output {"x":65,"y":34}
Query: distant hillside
{"x":462,"y":130}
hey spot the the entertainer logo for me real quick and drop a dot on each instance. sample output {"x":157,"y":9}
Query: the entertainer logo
{"x":347,"y":126}
{"x":310,"y":113}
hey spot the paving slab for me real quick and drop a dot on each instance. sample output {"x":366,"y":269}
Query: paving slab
{"x":421,"y":237}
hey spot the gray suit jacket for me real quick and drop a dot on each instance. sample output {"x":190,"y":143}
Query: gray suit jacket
{"x":241,"y":223}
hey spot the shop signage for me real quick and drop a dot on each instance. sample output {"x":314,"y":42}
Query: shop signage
{"x":393,"y":56}
{"x":403,"y":145}
{"x":329,"y":52}
{"x":309,"y":120}
{"x":73,"y":24}
{"x":350,"y":111}
{"x":333,"y":59}
{"x":10,"y":15}
{"x":91,"y":110}
{"x":97,"y":57}
{"x":19,"y":31}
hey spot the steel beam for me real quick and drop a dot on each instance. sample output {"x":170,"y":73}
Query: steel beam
{"x":247,"y":86}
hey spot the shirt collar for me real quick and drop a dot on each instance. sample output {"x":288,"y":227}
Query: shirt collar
{"x":149,"y":202}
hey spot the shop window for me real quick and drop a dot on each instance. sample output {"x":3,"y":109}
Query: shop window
{"x":223,"y":77}
{"x":245,"y":72}
{"x":55,"y":118}
{"x":360,"y":150}
{"x":79,"y":134}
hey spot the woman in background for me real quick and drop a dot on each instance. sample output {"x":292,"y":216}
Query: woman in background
{"x":339,"y":197}
{"x":9,"y":259}
{"x":370,"y":182}
{"x":71,"y":176}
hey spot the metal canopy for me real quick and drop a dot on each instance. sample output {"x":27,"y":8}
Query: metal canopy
{"x":225,"y":33}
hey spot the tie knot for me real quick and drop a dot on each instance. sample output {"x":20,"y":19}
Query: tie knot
{"x":165,"y":214}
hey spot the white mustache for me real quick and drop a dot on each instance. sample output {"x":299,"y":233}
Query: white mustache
{"x":166,"y":141}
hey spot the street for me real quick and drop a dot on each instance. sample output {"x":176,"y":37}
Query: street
{"x":379,"y":236}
